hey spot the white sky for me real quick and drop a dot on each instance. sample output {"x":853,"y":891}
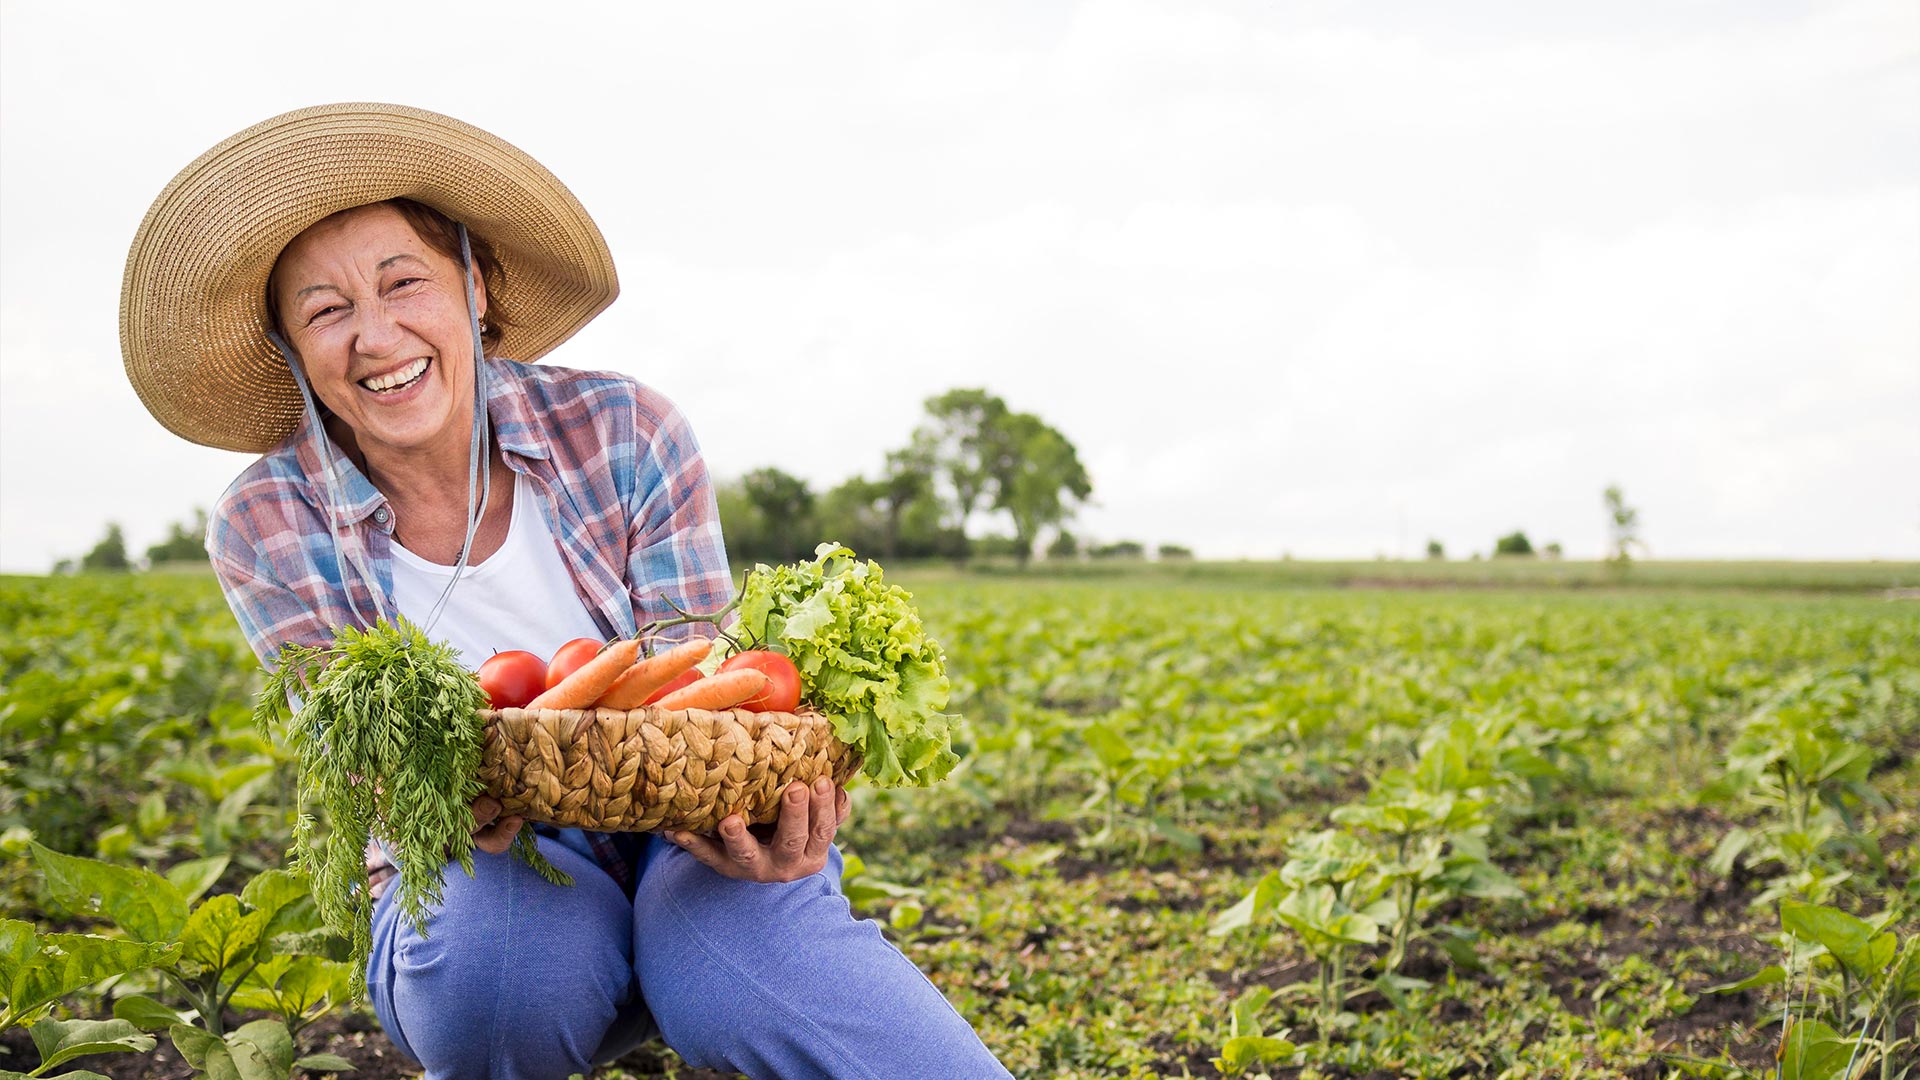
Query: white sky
{"x":1325,"y":278}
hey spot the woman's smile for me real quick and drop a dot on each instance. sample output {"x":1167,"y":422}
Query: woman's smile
{"x":397,"y":381}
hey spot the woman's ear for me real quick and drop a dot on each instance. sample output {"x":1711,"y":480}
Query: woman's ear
{"x":479,"y":291}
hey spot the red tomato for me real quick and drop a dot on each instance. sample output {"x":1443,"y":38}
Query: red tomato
{"x":511,"y":679}
{"x":783,"y":680}
{"x":570,"y":658}
{"x":675,"y":683}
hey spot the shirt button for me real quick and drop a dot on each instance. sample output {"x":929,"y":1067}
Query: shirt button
{"x":381,"y":515}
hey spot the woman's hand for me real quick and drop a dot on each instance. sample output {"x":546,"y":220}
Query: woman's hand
{"x":808,"y":820}
{"x":492,"y":833}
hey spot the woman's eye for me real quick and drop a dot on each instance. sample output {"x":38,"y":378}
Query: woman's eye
{"x":322,"y":313}
{"x":404,"y":282}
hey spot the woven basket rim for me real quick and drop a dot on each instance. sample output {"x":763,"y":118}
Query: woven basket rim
{"x":489,"y":714}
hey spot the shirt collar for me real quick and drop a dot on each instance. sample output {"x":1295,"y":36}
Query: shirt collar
{"x":513,"y":429}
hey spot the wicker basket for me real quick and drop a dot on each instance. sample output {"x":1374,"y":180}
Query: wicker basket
{"x":651,"y":769}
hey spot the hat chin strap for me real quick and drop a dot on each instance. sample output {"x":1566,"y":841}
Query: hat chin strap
{"x":479,"y":459}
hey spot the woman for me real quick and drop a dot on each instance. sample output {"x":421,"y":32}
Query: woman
{"x":309,"y":289}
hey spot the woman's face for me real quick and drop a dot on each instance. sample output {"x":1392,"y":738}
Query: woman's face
{"x":379,"y":319}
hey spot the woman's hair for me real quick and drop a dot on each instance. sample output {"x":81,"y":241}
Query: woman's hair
{"x":443,"y":236}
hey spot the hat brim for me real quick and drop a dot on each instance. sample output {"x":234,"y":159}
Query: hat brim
{"x":193,"y":314}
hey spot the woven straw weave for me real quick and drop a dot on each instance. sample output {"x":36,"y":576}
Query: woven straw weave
{"x":653,"y":769}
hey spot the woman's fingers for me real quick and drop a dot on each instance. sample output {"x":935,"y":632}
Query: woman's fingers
{"x":496,"y":838}
{"x":809,"y":817}
{"x":826,"y":819}
{"x":492,"y":833}
{"x":706,"y":852}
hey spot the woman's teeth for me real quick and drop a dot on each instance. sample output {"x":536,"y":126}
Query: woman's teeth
{"x":395,"y":380}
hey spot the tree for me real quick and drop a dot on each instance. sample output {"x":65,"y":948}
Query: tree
{"x":963,"y":434}
{"x":1174,"y":551}
{"x":1553,"y":550}
{"x":907,"y":481}
{"x":183,"y":543}
{"x":109,"y":554}
{"x":785,"y":506}
{"x":1623,"y":527}
{"x":850,"y":513}
{"x":1514,"y":543}
{"x":1436,"y":550}
{"x":1037,"y":477}
{"x":1065,"y":546}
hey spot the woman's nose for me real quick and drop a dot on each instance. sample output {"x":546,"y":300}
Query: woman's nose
{"x":379,"y":331}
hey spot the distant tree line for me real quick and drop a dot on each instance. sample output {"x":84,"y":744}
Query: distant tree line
{"x":1623,"y":529}
{"x":184,"y":543}
{"x":970,"y":457}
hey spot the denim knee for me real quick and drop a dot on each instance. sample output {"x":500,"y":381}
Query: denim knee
{"x":782,"y":981}
{"x":514,"y":977}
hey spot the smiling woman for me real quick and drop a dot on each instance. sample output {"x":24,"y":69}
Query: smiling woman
{"x":378,"y":315}
{"x":313,"y":289}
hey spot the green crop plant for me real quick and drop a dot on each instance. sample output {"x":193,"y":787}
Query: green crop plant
{"x":260,"y":949}
{"x":1849,"y":984}
{"x":1330,"y":895}
{"x":1438,"y":851}
{"x":1807,"y":773}
{"x":1248,"y":1043}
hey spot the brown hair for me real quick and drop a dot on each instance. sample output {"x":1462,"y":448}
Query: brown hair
{"x":442,"y":235}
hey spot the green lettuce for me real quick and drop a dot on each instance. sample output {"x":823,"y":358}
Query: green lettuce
{"x":865,"y":660}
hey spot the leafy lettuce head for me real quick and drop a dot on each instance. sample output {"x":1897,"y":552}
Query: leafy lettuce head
{"x":865,"y":660}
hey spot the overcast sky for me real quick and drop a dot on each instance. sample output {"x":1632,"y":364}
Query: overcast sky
{"x":1320,"y":278}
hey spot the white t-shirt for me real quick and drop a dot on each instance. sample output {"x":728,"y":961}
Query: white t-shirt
{"x":520,"y":597}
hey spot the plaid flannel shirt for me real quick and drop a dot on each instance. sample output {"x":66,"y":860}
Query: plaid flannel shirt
{"x":619,"y":476}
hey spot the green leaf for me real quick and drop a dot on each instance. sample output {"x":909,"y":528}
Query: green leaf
{"x":324,"y":1063}
{"x":63,"y":963}
{"x":195,"y":876}
{"x":1242,"y":1051}
{"x":1770,"y":975}
{"x":19,"y":950}
{"x":1320,"y":917}
{"x":63,"y":1040}
{"x":195,"y":1044}
{"x":147,"y":1014}
{"x":1108,"y":745}
{"x":311,"y":980}
{"x":1813,"y":1051}
{"x":1258,"y":901}
{"x":262,"y":1050}
{"x":271,"y":890}
{"x":1728,"y":850}
{"x":1849,"y":939}
{"x":905,"y":915}
{"x":144,"y":904}
{"x":1247,"y":1008}
{"x":218,"y":933}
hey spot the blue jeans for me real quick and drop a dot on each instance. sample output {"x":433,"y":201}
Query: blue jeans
{"x":521,"y":980}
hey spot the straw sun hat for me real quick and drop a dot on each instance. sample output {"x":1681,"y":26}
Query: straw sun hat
{"x":193,"y":304}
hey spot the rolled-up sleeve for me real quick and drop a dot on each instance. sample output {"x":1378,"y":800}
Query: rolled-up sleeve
{"x":675,"y":551}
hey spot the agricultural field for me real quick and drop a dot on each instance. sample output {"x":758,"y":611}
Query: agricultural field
{"x":1209,"y":821}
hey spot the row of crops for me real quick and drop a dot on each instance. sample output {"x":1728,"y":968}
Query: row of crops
{"x":1201,"y":829}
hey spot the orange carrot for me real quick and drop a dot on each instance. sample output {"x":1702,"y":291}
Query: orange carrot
{"x":722,"y":691}
{"x":637,"y":683}
{"x":582,"y":688}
